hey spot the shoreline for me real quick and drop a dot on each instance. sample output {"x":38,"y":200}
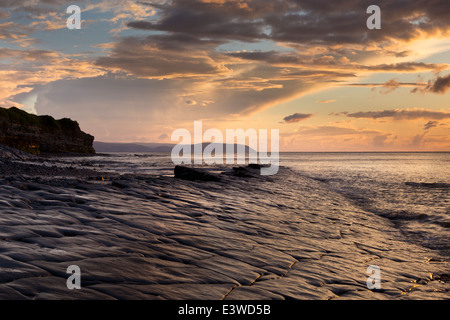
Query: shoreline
{"x":147,"y":237}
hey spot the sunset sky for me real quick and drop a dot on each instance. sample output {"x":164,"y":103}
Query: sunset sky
{"x":137,"y":70}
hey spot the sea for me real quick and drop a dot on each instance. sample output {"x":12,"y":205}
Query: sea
{"x":410,"y":189}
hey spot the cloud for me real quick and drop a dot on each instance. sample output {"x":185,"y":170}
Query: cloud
{"x":417,"y":141}
{"x":185,"y":40}
{"x":33,"y":6}
{"x":329,"y":59}
{"x":164,"y":136}
{"x":406,"y":67}
{"x":297,"y":117}
{"x":113,"y":108}
{"x":12,"y":31}
{"x":181,"y":53}
{"x":399,"y":114}
{"x":191,"y":102}
{"x":51,"y":14}
{"x":438,"y":85}
{"x":335,"y":131}
{"x":400,"y":54}
{"x":272,"y":57}
{"x":336,"y":138}
{"x":30,"y":68}
{"x":214,"y":20}
{"x":304,"y":22}
{"x":325,"y":101}
{"x":379,"y":141}
{"x":388,"y":86}
{"x":236,"y":87}
{"x":164,"y":56}
{"x":430,"y":124}
{"x":348,"y":139}
{"x":8,"y":104}
{"x":4,"y":14}
{"x":207,"y":102}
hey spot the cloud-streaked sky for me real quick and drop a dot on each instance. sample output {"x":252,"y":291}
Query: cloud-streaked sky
{"x":137,"y":70}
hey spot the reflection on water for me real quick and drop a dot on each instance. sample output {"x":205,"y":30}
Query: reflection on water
{"x":410,"y":188}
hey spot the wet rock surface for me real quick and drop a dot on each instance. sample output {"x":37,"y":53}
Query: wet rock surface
{"x":187,"y":173}
{"x":144,"y":237}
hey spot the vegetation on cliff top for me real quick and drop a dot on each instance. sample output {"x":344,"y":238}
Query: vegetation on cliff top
{"x":36,"y":134}
{"x":48,"y":123}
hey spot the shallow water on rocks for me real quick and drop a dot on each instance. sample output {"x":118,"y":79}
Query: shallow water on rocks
{"x":412,"y":189}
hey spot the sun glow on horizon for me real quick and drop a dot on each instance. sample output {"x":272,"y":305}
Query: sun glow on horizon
{"x":137,"y":71}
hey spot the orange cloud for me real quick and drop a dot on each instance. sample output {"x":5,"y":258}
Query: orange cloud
{"x":438,"y":85}
{"x":297,"y":117}
{"x":325,"y":101}
{"x":400,"y":114}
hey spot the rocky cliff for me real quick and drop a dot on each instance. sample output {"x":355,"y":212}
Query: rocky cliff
{"x":42,"y":134}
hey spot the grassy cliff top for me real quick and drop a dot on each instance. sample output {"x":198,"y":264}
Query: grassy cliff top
{"x":48,"y":123}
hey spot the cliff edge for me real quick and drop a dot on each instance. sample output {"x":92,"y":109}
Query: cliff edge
{"x":42,"y":134}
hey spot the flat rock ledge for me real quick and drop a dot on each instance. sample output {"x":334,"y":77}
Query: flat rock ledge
{"x":141,"y":237}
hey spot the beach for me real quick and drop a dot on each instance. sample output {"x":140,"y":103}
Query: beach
{"x":146,"y":236}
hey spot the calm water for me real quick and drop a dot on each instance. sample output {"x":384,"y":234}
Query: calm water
{"x":387,"y":184}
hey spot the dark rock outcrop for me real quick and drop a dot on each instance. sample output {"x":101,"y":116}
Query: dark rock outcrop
{"x":252,"y":170}
{"x":8,"y":153}
{"x":194,"y":174}
{"x":42,"y":134}
{"x":247,"y":172}
{"x":428,"y":184}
